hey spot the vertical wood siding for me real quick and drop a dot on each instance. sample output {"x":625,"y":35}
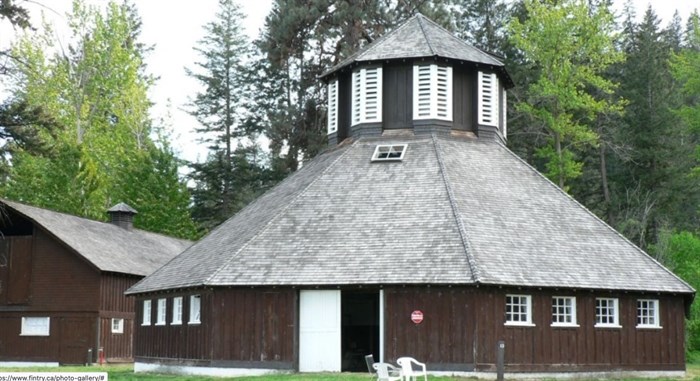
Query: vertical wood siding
{"x":398,"y":96}
{"x":112,"y":288}
{"x":117,"y":347}
{"x":464,"y":102}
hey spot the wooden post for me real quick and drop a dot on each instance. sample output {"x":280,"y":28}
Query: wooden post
{"x":500,"y":360}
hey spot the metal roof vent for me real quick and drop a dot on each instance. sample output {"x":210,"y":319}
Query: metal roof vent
{"x":389,"y":152}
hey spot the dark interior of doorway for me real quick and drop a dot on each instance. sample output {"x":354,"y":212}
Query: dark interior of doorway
{"x":359,"y":328}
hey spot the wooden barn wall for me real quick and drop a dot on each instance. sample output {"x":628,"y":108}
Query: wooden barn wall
{"x":183,"y":342}
{"x":61,"y":280}
{"x":70,"y":337}
{"x":583,"y":348}
{"x":255,"y":325}
{"x":443,"y":339}
{"x":112,"y":288}
{"x":397,"y":86}
{"x":15,"y":269}
{"x":464,"y":99}
{"x":117,"y":347}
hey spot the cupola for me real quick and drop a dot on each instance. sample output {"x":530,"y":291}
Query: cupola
{"x":418,"y":78}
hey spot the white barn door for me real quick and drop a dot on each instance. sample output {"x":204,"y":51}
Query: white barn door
{"x":319,"y":331}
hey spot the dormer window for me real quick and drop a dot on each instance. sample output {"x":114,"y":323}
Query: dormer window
{"x":432,"y":92}
{"x":333,"y":106}
{"x":488,"y":104}
{"x":367,"y":95}
{"x":393,"y":152}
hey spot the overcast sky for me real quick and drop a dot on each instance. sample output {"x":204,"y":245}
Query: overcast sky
{"x":174,"y":26}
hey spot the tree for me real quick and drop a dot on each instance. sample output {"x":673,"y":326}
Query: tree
{"x":102,"y":151}
{"x":569,"y":44}
{"x":231,"y":176}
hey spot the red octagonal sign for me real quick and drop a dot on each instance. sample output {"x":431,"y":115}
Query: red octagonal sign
{"x":417,"y":316}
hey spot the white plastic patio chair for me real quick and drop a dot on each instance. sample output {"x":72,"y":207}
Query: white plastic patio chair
{"x":387,"y":372}
{"x":409,"y":372}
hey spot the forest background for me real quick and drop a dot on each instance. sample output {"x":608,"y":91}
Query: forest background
{"x":607,"y":107}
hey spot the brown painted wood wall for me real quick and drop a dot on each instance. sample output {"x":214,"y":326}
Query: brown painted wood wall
{"x":464,"y":325}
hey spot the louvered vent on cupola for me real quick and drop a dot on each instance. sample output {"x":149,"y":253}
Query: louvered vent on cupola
{"x":367,"y":95}
{"x":488,"y":104}
{"x":432,"y":89}
{"x":333,"y":106}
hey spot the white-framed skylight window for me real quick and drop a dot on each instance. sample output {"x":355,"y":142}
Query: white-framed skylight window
{"x":607,"y":313}
{"x":195,"y":309}
{"x":648,"y":313}
{"x":519,"y":310}
{"x":488,"y":104}
{"x":367,"y":95}
{"x":333,"y":106}
{"x":389,"y":152}
{"x":432,"y":92}
{"x":35,"y":326}
{"x":161,"y":312}
{"x":117,"y":325}
{"x":146,"y":313}
{"x":177,"y":310}
{"x":564,"y":311}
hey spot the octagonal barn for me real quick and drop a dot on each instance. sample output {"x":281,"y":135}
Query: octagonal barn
{"x":417,"y":233}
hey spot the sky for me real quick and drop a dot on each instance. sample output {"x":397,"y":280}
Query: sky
{"x":173,"y":27}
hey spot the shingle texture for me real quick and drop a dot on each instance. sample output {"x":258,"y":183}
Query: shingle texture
{"x":108,"y":247}
{"x":416,"y":38}
{"x":453,"y":211}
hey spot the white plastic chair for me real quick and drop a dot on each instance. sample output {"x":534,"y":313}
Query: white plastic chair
{"x":409,"y":372}
{"x":387,"y":372}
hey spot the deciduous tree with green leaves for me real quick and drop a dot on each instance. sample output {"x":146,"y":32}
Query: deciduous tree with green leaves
{"x":103,"y":151}
{"x":569,"y":44}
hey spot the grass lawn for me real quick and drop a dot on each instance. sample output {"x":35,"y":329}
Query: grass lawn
{"x":125,"y":372}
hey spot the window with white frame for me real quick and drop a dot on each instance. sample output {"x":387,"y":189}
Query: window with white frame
{"x":607,"y":312}
{"x":518,"y":310}
{"x":35,"y":326}
{"x":146,"y":320}
{"x":333,"y":106}
{"x":432,"y":92}
{"x":388,"y":152}
{"x":195,"y":308}
{"x":177,"y":310}
{"x":161,"y":312}
{"x":367,"y":95}
{"x":648,"y":313}
{"x":564,"y":311}
{"x":117,"y":325}
{"x":504,"y":113}
{"x":488,"y":104}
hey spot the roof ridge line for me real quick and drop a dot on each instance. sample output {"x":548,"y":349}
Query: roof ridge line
{"x":605,"y":224}
{"x":419,"y":17}
{"x":281,"y":211}
{"x":476,"y":273}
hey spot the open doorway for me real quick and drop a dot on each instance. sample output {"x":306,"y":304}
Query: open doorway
{"x":359,"y":328}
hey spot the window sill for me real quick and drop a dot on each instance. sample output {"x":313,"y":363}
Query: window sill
{"x":160,"y":324}
{"x":518,"y":324}
{"x":176,"y":323}
{"x":613,"y":326}
{"x":564,"y":325}
{"x":194,"y":323}
{"x":34,"y":334}
{"x":649,"y":327}
{"x":145,"y":324}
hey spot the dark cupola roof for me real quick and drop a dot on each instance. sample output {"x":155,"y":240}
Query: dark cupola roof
{"x":420,"y":37}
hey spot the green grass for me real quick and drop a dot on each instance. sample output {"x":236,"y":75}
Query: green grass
{"x":126,"y":372}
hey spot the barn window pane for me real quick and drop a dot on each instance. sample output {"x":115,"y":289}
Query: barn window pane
{"x":564,"y":311}
{"x":177,"y":310}
{"x":117,"y":325}
{"x":146,"y":313}
{"x":648,"y":313}
{"x":161,"y":313}
{"x":606,"y":312}
{"x":195,"y":307}
{"x":518,"y":310}
{"x":35,"y":326}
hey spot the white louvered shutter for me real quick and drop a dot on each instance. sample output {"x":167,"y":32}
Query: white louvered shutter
{"x":367,"y":95}
{"x":488,"y":99}
{"x":333,"y":106}
{"x":504,"y":114}
{"x":432,"y":89}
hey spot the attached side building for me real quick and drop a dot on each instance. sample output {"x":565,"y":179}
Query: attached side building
{"x":418,"y":234}
{"x":62,"y":283}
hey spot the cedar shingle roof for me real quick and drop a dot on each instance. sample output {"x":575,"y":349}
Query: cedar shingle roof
{"x":417,"y":38}
{"x":453,"y":211}
{"x":108,"y":247}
